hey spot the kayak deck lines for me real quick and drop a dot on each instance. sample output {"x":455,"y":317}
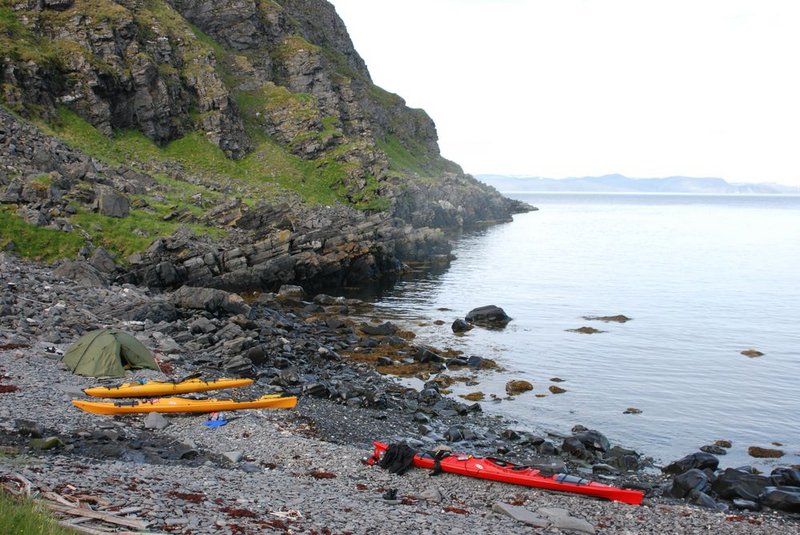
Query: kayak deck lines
{"x":179,"y":404}
{"x":506,"y":472}
{"x":160,"y":388}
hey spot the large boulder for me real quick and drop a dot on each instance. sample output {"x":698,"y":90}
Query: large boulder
{"x":781,"y":498}
{"x":733,"y":483}
{"x":209,"y":299}
{"x":488,"y":316}
{"x":695,"y":460}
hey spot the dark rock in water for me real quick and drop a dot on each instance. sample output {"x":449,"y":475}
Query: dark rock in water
{"x":460,"y":326}
{"x":764,"y":453}
{"x":488,"y":316}
{"x":733,"y":483}
{"x":702,"y":499}
{"x":475,"y":361}
{"x":384,"y":329}
{"x":695,"y":460}
{"x":713,"y":449}
{"x":752,"y":353}
{"x":688,"y":481}
{"x":781,"y":498}
{"x":594,"y":440}
{"x":619,"y":318}
{"x":425,"y":355}
{"x":585,"y":330}
{"x":518,"y":386}
{"x":786,"y":477}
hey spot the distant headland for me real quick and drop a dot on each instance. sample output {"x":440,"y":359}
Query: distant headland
{"x":621,"y":184}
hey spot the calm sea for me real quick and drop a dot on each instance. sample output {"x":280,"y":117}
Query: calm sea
{"x":703,"y":277}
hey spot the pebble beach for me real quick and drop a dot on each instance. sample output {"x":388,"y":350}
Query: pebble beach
{"x":300,"y":470}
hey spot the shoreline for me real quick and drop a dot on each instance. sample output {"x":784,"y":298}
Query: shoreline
{"x":279,"y":449}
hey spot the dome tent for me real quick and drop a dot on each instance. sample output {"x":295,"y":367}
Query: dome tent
{"x":106,"y":353}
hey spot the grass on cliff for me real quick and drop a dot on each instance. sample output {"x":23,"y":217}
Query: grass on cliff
{"x":258,"y":174}
{"x":25,"y":518}
{"x":34,"y":242}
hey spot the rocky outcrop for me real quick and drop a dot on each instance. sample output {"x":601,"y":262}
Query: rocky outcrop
{"x":123,"y":65}
{"x":199,"y":71}
{"x":315,"y":248}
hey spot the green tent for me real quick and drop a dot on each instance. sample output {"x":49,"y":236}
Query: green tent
{"x":107,"y":353}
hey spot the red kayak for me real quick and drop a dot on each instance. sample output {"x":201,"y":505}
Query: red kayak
{"x":497,"y":470}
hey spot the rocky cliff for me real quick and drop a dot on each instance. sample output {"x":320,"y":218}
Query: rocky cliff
{"x":262,"y":106}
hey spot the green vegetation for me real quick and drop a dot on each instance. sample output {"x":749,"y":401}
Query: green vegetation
{"x":25,"y":518}
{"x":34,"y":242}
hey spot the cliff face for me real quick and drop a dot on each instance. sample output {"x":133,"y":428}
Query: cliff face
{"x":274,"y":85}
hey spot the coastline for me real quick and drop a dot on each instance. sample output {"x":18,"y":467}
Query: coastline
{"x":181,"y":477}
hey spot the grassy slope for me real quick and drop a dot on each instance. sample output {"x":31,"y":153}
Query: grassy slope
{"x":267,"y":172}
{"x":23,"y":517}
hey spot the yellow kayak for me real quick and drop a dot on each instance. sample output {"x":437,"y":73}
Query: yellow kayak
{"x":163,"y":388}
{"x":176,"y":404}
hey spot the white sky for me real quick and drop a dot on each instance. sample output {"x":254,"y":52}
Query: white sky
{"x":562,"y":88}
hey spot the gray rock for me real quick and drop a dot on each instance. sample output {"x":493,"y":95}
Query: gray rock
{"x":113,"y":204}
{"x":234,"y":456}
{"x":489,"y":315}
{"x":520,"y":514}
{"x":155,"y":420}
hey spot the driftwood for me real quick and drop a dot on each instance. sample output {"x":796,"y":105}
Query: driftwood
{"x":77,"y":506}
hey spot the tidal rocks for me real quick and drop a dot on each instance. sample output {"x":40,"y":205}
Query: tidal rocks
{"x":460,"y":326}
{"x":733,"y":483}
{"x":619,"y":318}
{"x":764,"y":453}
{"x":556,"y":389}
{"x":518,"y":386}
{"x":781,"y":498}
{"x":752,"y":353}
{"x":488,"y":316}
{"x":585,"y":330}
{"x":684,"y":483}
{"x":695,"y":460}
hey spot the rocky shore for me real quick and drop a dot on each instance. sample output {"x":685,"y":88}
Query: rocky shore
{"x":301,"y":470}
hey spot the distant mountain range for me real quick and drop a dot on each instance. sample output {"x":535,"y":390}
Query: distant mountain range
{"x":623,"y":184}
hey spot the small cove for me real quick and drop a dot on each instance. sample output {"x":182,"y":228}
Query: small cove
{"x":702,"y":277}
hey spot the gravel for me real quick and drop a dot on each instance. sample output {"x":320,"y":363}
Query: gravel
{"x":293,"y":471}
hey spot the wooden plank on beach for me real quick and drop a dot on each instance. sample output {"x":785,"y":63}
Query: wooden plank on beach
{"x":107,"y":517}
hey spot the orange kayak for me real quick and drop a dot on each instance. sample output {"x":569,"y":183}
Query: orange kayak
{"x":163,"y":388}
{"x":178,"y":404}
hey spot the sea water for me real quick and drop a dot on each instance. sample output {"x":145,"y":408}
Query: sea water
{"x":703,"y":279}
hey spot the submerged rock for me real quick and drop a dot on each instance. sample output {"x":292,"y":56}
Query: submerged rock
{"x":518,"y":386}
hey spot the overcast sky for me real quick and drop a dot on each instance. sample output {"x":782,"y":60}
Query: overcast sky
{"x":563,"y":88}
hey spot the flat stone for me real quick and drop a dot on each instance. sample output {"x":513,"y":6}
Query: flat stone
{"x":234,"y":456}
{"x":520,"y":514}
{"x":155,"y":420}
{"x":570,"y":523}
